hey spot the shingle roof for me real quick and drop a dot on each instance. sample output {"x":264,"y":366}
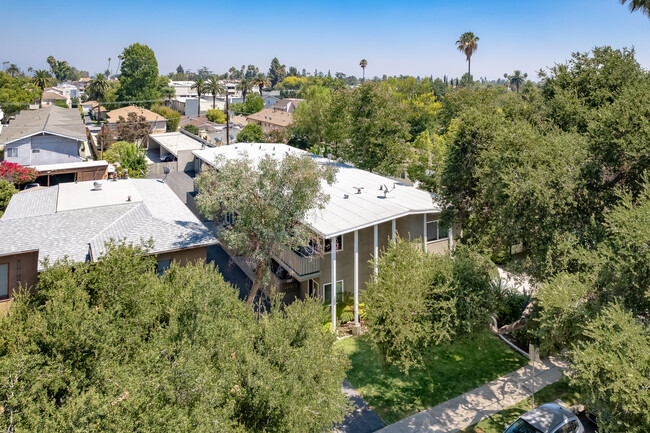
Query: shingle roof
{"x":150,"y":116}
{"x":52,"y":119}
{"x":32,"y":202}
{"x":31,"y":223}
{"x":274,"y":117}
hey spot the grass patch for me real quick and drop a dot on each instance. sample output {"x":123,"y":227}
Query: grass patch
{"x":496,"y":423}
{"x":450,"y":369}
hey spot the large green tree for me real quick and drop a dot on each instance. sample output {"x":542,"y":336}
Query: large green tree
{"x":277,"y":72}
{"x":110,"y":346}
{"x":251,"y":133}
{"x":41,"y":79}
{"x":270,"y":199}
{"x":139,"y":75}
{"x":17,"y":93}
{"x":611,"y":368}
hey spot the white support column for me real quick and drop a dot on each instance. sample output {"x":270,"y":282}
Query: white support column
{"x":393,"y":229}
{"x":451,"y":239}
{"x":356,"y":277}
{"x":424,"y":233}
{"x":333,"y":291}
{"x":376,"y":252}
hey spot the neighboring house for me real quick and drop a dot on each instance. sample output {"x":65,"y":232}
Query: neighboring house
{"x":201,"y":122}
{"x":50,"y":96}
{"x":270,"y":101}
{"x":186,"y":101}
{"x":177,"y":146}
{"x":219,"y":137}
{"x":49,"y":135}
{"x":192,"y":108}
{"x":76,"y":220}
{"x":364,"y":212}
{"x":239,"y":120}
{"x":157,"y":122}
{"x":90,"y":109}
{"x":287,"y":104}
{"x":271,"y":120}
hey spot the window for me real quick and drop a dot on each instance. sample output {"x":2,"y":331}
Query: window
{"x":35,"y":148}
{"x":4,"y":280}
{"x":436,"y":231}
{"x":339,"y":244}
{"x":570,"y":427}
{"x":163,"y":265}
{"x":12,"y":152}
{"x":229,"y":218}
{"x":327,"y":289}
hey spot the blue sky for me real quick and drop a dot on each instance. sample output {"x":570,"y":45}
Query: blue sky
{"x":408,"y":37}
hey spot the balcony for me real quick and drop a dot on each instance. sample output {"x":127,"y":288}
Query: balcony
{"x":304,"y":264}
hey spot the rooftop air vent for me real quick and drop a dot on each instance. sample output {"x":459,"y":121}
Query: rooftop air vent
{"x":358,"y":188}
{"x":97,"y":186}
{"x":346,"y":196}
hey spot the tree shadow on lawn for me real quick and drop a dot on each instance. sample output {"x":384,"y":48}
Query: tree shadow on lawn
{"x":450,"y":369}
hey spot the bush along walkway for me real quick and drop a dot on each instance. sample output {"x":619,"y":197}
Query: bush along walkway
{"x":482,"y":402}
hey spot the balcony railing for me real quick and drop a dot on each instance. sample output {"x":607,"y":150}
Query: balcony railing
{"x":301,"y":264}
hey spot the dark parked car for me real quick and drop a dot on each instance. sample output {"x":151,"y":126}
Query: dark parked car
{"x":547,"y":418}
{"x":32,"y":185}
{"x":167,"y":158}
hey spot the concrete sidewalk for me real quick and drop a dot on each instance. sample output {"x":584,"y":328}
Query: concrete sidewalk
{"x":482,"y":402}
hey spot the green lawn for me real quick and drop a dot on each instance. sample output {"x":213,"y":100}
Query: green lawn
{"x":496,"y":423}
{"x":451,"y":369}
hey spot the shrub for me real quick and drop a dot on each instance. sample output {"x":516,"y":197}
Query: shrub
{"x":251,"y":133}
{"x":16,"y":173}
{"x":129,"y":156}
{"x":61,"y":104}
{"x":216,"y":116}
{"x":410,"y":305}
{"x":7,"y":190}
{"x":173,"y":117}
{"x":191,"y":128}
{"x":476,"y":295}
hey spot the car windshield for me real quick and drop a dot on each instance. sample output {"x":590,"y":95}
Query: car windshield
{"x":521,"y":426}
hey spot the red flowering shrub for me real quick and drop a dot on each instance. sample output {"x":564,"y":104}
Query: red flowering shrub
{"x":16,"y":173}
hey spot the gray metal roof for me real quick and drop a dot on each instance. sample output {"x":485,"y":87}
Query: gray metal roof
{"x":55,"y":120}
{"x":547,"y":416}
{"x":32,"y":222}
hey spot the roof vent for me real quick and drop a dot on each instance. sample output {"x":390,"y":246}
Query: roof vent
{"x":97,"y":186}
{"x":346,"y":196}
{"x":358,"y":188}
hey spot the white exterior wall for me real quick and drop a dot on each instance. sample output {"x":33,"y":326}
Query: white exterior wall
{"x":52,"y":149}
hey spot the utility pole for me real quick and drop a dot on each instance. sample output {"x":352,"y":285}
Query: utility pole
{"x":227,"y":118}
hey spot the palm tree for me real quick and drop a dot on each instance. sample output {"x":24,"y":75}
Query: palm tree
{"x":244,"y":86}
{"x":634,"y":5}
{"x":363,"y":63}
{"x":261,"y":81}
{"x":13,"y":70}
{"x":467,"y":44}
{"x":516,"y":79}
{"x":98,"y":87}
{"x":42,"y":79}
{"x":215,"y":87}
{"x":199,"y":85}
{"x":169,"y":93}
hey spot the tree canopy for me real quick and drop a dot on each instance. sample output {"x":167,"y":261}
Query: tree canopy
{"x":109,"y":346}
{"x":138,"y":75}
{"x":269,"y":201}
